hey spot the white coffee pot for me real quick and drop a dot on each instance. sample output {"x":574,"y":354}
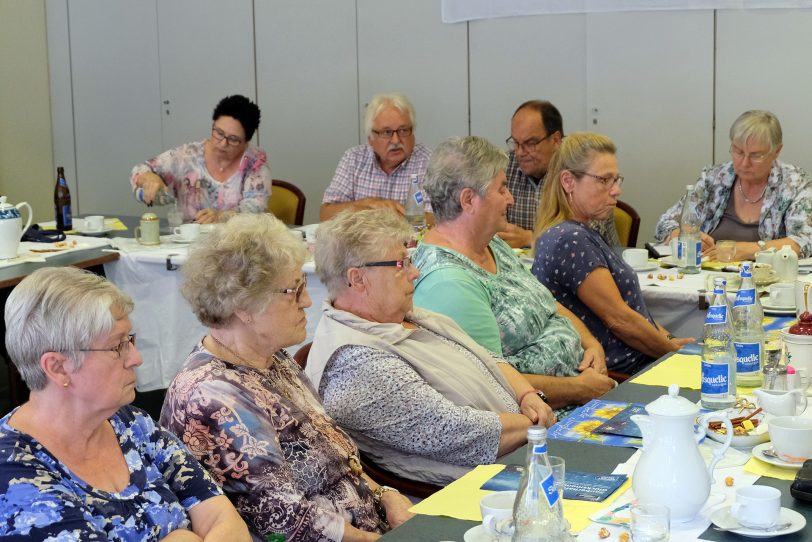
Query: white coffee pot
{"x":785,"y":263}
{"x":671,"y":470}
{"x":11,"y":227}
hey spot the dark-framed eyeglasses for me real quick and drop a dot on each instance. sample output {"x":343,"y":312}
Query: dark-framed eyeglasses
{"x":220,"y":135}
{"x":526,"y":146}
{"x":298,"y":290}
{"x":120,"y":349}
{"x":387,"y":134}
{"x":606,"y":182}
{"x":403,"y":263}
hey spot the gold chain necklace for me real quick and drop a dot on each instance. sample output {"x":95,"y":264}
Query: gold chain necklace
{"x":232,"y":352}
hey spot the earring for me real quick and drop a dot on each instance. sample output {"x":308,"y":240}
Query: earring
{"x":66,"y":383}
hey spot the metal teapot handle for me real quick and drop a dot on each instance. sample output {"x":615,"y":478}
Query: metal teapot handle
{"x":699,"y":433}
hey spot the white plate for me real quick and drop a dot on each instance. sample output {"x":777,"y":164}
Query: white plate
{"x":743,"y":441}
{"x":778,"y":309}
{"x":772,"y":460}
{"x":651,"y":266}
{"x":178,"y":239}
{"x":479,"y":534}
{"x":721,"y":517}
{"x":94,"y":232}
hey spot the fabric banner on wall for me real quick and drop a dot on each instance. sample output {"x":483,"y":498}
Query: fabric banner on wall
{"x":457,"y":11}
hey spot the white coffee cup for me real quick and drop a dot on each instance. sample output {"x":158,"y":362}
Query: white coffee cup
{"x":94,"y":223}
{"x":799,"y":380}
{"x":791,"y":437}
{"x":187,"y":232}
{"x":636,"y":257}
{"x":497,"y":513}
{"x":782,"y":294}
{"x":757,"y":506}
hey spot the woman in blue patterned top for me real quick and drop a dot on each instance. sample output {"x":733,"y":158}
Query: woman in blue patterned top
{"x":577,"y":265}
{"x":76,"y":463}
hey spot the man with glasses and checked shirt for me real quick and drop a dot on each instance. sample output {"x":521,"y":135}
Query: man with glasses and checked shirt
{"x":378,"y":174}
{"x":536,"y":131}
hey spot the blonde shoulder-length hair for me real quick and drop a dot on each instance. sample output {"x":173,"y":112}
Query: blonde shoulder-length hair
{"x":575,"y":153}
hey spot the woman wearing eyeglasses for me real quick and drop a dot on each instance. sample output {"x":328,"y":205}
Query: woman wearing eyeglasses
{"x":417,"y":394}
{"x":243,"y":407}
{"x":577,"y":265}
{"x":214,"y":178}
{"x":76,"y":462}
{"x":471,"y":275}
{"x":752,"y":198}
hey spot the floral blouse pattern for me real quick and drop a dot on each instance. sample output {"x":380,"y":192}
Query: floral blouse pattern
{"x":41,"y":499}
{"x":263,"y":435}
{"x":534,"y":337}
{"x":565,"y":256}
{"x":785,"y":210}
{"x":184,"y":171}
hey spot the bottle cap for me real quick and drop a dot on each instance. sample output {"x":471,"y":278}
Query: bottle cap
{"x":536,"y":432}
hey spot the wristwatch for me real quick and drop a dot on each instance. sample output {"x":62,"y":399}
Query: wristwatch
{"x":541,"y":395}
{"x":378,"y":493}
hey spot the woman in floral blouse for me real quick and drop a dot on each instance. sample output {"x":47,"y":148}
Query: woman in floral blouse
{"x":752,"y":198}
{"x":243,"y":407}
{"x":77,"y":463}
{"x":214,"y":178}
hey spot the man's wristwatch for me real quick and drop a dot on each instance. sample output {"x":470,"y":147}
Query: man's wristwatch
{"x":379,"y":491}
{"x":541,"y":395}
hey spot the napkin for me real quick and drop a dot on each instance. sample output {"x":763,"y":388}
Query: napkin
{"x":681,"y":369}
{"x":764,"y":469}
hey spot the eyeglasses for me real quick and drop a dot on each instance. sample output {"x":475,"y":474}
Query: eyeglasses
{"x":400,"y":264}
{"x":220,"y":135}
{"x":755,"y":157}
{"x":298,"y":290}
{"x":121,"y":348}
{"x":527,"y":146}
{"x":387,"y":134}
{"x":606,"y":182}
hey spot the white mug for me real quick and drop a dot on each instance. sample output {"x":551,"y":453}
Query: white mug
{"x":187,"y":232}
{"x":799,"y":380}
{"x":782,"y":294}
{"x":94,"y":223}
{"x":497,"y":514}
{"x":757,"y":506}
{"x":636,"y":257}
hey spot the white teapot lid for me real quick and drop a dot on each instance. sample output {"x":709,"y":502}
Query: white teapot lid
{"x":672,"y":405}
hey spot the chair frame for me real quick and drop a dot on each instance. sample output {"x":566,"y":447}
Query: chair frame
{"x":635,"y":229}
{"x":300,"y":207}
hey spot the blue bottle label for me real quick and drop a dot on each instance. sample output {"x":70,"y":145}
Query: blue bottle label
{"x":549,"y":490}
{"x":540,"y":448}
{"x":717,"y":314}
{"x":698,"y":253}
{"x":747,"y":357}
{"x":745,"y":297}
{"x":715,"y":378}
{"x":680,"y":250}
{"x":745,"y":273}
{"x":418,"y":197}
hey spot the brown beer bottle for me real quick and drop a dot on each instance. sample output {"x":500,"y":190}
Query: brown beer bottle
{"x":62,"y":202}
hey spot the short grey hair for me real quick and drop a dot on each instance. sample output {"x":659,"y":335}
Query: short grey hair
{"x":758,"y":125}
{"x":456,"y":164}
{"x":380,"y":102}
{"x":351,"y":239}
{"x":58,"y":309}
{"x":238,"y":265}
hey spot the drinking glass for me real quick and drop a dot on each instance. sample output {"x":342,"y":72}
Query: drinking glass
{"x":726,"y":251}
{"x":174,"y":217}
{"x":650,"y":522}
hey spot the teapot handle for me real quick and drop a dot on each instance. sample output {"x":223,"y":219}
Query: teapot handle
{"x":30,"y":215}
{"x":699,"y":432}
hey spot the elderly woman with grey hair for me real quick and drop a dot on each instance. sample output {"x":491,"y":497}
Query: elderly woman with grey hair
{"x":754,"y":197}
{"x":471,"y":275}
{"x":419,"y":396}
{"x":243,"y":408}
{"x":77,"y":462}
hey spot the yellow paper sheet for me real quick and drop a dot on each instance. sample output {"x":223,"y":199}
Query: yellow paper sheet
{"x":771,"y":471}
{"x":460,"y":499}
{"x":680,"y":369}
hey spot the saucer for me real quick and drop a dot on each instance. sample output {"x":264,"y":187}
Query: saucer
{"x":651,"y":266}
{"x":722,"y":518}
{"x":178,"y":239}
{"x":479,"y":534}
{"x":772,"y":460}
{"x":93,"y":233}
{"x":788,"y":310}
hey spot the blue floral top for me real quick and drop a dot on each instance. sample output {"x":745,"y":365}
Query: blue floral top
{"x":41,"y":499}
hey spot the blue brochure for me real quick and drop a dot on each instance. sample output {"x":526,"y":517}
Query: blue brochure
{"x":579,"y":486}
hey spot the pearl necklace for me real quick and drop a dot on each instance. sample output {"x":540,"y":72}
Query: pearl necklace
{"x":741,"y":191}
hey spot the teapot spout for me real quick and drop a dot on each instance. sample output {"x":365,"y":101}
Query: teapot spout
{"x":646,"y":426}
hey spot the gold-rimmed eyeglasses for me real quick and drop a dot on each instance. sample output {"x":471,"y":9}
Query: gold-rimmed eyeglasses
{"x":755,"y":157}
{"x":298,"y":290}
{"x":120,"y":349}
{"x":606,"y":182}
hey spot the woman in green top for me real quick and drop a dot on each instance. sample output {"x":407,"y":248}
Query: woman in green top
{"x":471,"y":275}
